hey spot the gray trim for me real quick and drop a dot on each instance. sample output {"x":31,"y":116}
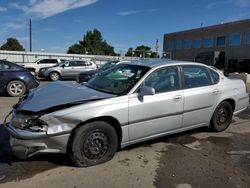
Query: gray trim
{"x":165,"y":115}
{"x":186,"y":111}
{"x":155,"y":117}
{"x":243,"y":98}
{"x":124,"y":124}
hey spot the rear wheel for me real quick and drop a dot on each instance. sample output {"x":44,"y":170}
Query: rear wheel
{"x":54,"y":76}
{"x":16,"y":88}
{"x":92,"y":144}
{"x":222,"y":117}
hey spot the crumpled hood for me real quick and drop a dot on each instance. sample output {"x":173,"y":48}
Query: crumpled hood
{"x":59,"y":93}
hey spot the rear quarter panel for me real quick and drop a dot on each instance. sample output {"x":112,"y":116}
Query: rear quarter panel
{"x":234,"y":89}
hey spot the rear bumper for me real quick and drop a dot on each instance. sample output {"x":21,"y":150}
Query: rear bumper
{"x":34,"y":83}
{"x":25,"y":144}
{"x":241,"y":104}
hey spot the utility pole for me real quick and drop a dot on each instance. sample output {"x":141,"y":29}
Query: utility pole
{"x":30,"y":36}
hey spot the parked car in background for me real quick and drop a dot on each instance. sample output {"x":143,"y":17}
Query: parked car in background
{"x":40,"y":63}
{"x":67,"y":69}
{"x":15,"y":80}
{"x":127,"y":104}
{"x":87,"y":75}
{"x":212,"y":58}
{"x":240,"y":67}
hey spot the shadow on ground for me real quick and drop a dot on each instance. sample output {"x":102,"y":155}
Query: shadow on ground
{"x":16,"y":169}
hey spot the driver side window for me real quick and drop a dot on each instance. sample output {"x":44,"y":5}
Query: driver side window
{"x":163,"y":80}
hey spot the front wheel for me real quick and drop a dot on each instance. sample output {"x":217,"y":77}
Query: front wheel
{"x":54,"y":76}
{"x":92,"y":144}
{"x":222,"y":117}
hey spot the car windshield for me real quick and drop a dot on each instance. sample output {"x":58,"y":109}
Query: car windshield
{"x":118,"y":80}
{"x":108,"y":65}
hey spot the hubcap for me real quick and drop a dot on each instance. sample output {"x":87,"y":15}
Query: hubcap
{"x":54,"y":76}
{"x":222,"y":116}
{"x":95,"y":146}
{"x":16,"y":88}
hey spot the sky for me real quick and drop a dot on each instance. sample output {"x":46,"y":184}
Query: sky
{"x":58,"y":24}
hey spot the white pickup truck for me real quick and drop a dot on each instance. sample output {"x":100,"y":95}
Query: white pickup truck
{"x":34,"y":67}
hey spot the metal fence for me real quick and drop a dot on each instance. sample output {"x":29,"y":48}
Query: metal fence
{"x":30,"y":57}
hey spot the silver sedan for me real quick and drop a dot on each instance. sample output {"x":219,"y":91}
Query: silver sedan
{"x":127,"y":104}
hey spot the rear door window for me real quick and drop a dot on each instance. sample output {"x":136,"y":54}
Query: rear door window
{"x":196,"y":76}
{"x":48,"y":61}
{"x":80,"y":63}
{"x":5,"y":65}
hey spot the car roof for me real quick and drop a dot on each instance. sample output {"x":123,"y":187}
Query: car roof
{"x":161,"y":62}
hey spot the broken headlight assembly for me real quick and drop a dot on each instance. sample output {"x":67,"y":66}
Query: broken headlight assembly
{"x":29,"y":123}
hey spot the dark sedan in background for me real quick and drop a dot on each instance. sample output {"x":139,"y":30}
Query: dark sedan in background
{"x":87,"y":75}
{"x":15,"y":80}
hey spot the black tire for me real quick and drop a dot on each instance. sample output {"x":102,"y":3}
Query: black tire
{"x":222,"y":117}
{"x":54,"y":76}
{"x":92,"y":144}
{"x":16,"y":88}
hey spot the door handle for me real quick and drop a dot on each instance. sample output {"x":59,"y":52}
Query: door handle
{"x":215,"y":92}
{"x":177,"y":97}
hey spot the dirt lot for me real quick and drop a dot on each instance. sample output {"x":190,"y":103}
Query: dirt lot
{"x":195,"y":159}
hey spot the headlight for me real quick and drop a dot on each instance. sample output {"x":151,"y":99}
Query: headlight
{"x":29,"y":123}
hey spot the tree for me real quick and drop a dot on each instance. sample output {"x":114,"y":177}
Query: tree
{"x":12,"y":44}
{"x":93,"y":44}
{"x":142,"y":51}
{"x":76,"y":49}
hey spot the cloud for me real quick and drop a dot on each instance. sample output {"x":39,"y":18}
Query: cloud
{"x":237,"y":3}
{"x":10,"y":26}
{"x":217,"y":3}
{"x":238,"y":16}
{"x":15,"y":26}
{"x":132,"y":12}
{"x":242,"y":3}
{"x":2,"y":9}
{"x":19,"y":6}
{"x":46,"y":8}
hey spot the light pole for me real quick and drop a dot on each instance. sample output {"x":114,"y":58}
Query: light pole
{"x":30,"y":36}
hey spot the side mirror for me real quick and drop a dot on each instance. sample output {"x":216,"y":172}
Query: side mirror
{"x":63,"y":66}
{"x":145,"y":90}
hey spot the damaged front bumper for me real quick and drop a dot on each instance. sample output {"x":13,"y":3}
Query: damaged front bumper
{"x":25,"y":143}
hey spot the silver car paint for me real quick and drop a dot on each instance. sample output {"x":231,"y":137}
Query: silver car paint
{"x":68,"y":71}
{"x":147,"y":118}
